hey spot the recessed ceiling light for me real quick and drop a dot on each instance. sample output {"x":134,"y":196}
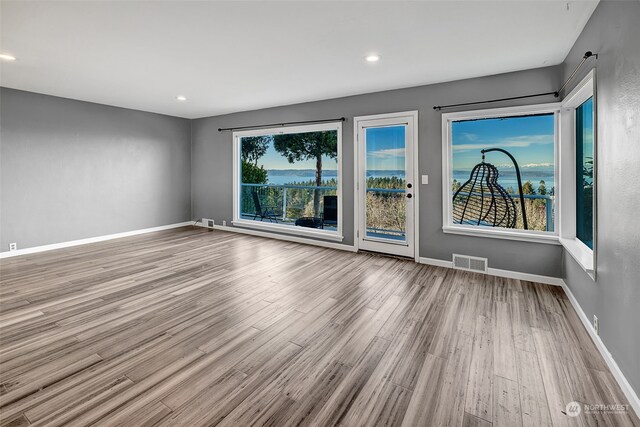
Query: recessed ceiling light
{"x":181,"y":98}
{"x":372,"y":58}
{"x":7,"y":57}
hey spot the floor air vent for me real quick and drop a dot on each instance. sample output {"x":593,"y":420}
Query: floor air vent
{"x":470,"y":263}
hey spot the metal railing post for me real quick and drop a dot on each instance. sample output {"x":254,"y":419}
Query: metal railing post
{"x":284,"y":204}
{"x":549,"y":213}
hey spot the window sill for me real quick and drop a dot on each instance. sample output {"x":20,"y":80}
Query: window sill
{"x":532,"y":237}
{"x":580,"y":253}
{"x":290,"y":230}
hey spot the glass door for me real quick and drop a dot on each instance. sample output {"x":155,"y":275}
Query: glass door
{"x":385,"y":185}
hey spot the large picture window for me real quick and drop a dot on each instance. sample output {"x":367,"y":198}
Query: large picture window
{"x":500,"y":172}
{"x":584,"y":172}
{"x":579,"y":174}
{"x":288,"y":180}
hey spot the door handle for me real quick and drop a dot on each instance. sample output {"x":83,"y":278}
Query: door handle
{"x":409,"y":195}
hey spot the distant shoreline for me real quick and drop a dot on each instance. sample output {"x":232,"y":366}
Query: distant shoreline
{"x":507,"y":176}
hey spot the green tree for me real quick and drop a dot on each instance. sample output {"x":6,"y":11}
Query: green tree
{"x":254,"y":147}
{"x":527,"y":188}
{"x":309,"y":146}
{"x":252,"y":174}
{"x":542,"y":188}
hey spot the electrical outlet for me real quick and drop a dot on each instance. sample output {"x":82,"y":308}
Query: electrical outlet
{"x":224,"y":223}
{"x":596,"y":327}
{"x":210,"y":223}
{"x":206,"y":222}
{"x":13,"y":246}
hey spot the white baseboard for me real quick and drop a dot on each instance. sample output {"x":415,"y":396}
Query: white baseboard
{"x":628,"y":391}
{"x":548,"y":280}
{"x":435,"y":262}
{"x":293,"y":239}
{"x":555,"y":281}
{"x":71,"y":243}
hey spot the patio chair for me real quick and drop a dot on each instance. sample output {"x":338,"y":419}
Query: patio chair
{"x":482,"y":201}
{"x":309,"y":222}
{"x":330,"y":211}
{"x":261,"y":212}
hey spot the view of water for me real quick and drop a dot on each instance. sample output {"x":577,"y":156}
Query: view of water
{"x":287,"y":176}
{"x":507,"y":177}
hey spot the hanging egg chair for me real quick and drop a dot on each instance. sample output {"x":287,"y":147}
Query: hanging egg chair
{"x":482,"y":201}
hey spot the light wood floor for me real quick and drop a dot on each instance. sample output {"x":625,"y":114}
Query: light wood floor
{"x":191,"y":327}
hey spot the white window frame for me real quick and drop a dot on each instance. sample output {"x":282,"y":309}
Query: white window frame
{"x":584,"y":256}
{"x":281,"y":228}
{"x":447,"y":168}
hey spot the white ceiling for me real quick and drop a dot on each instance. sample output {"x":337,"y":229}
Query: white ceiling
{"x":235,"y":56}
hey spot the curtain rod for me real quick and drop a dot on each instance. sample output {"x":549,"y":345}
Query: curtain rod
{"x":340,"y":119}
{"x":556,"y":93}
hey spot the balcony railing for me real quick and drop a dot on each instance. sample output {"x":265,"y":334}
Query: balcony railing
{"x":292,"y":201}
{"x":535,"y":220}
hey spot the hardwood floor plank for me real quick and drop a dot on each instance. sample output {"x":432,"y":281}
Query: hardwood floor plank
{"x":556,"y":387}
{"x":197,"y":407}
{"x":533,"y":400}
{"x":64,"y":407}
{"x":443,"y":342}
{"x":522,"y":336}
{"x":504,"y":357}
{"x":77,"y":413}
{"x":19,"y":421}
{"x":42,"y":377}
{"x":535,"y":308}
{"x":473,"y":421}
{"x":451,"y":402}
{"x":506,"y":403}
{"x":149,"y":415}
{"x":390,"y":411}
{"x":582,"y":385}
{"x":478,"y":401}
{"x":339,"y":403}
{"x":423,"y":404}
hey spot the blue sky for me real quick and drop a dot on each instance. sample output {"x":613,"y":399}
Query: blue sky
{"x":385,"y":151}
{"x":528,"y":139}
{"x":385,"y":148}
{"x":274,"y":160}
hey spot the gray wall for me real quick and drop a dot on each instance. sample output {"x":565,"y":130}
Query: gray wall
{"x":212,"y":160}
{"x":72,"y":170}
{"x":613,"y":32}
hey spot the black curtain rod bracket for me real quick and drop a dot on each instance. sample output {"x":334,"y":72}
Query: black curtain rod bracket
{"x":556,"y":94}
{"x":303,"y":122}
{"x":588,"y":54}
